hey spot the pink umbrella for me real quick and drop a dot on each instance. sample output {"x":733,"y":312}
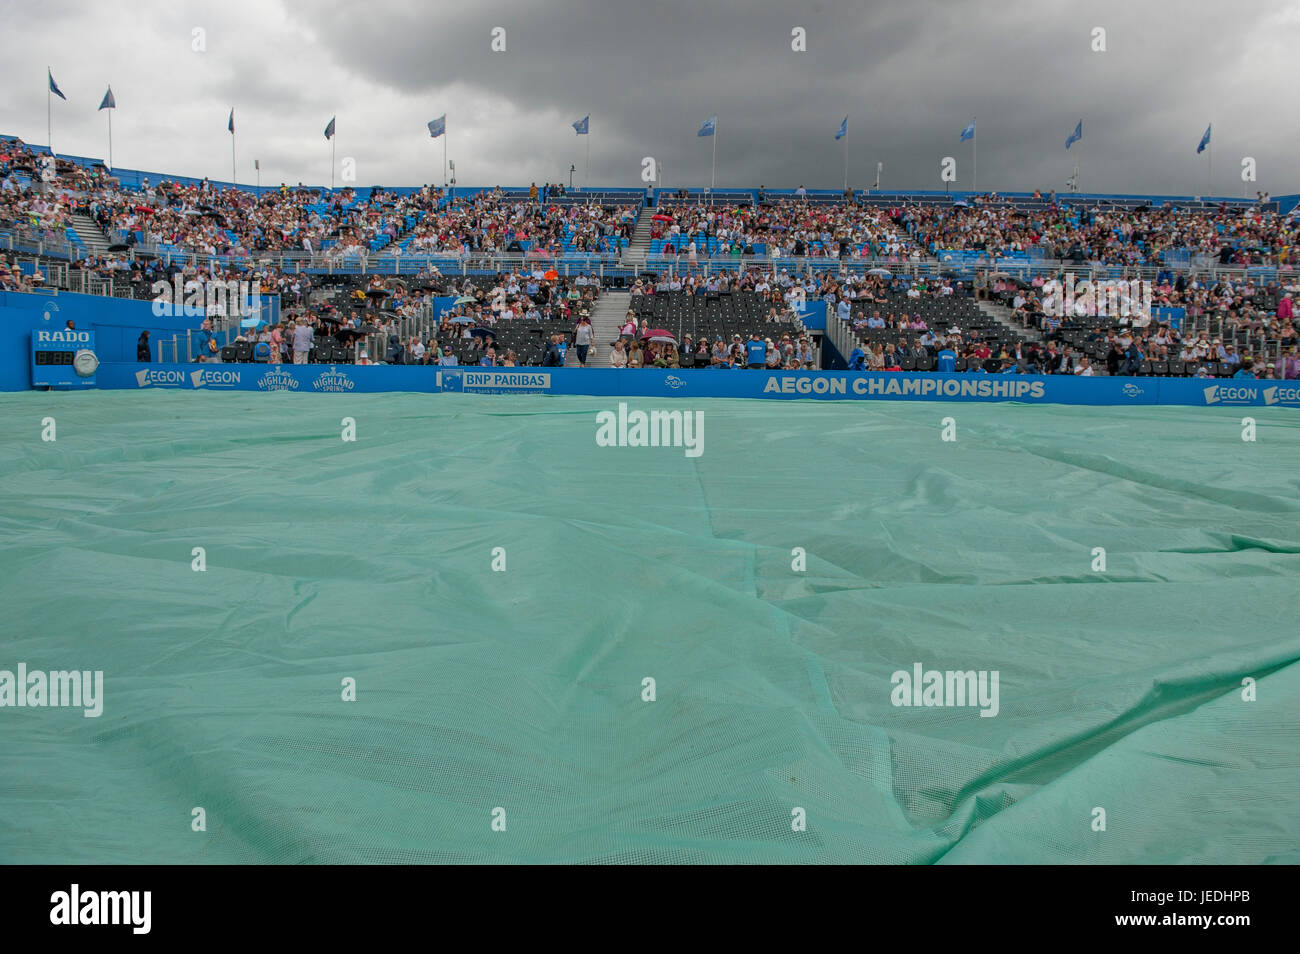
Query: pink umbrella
{"x":661,"y":334}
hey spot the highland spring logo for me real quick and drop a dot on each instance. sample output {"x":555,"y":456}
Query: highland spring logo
{"x":333,"y":380}
{"x":1113,"y":299}
{"x":195,"y":299}
{"x":277,"y":381}
{"x":651,"y":429}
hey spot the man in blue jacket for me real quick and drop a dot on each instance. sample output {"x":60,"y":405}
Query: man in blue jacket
{"x":946,"y":360}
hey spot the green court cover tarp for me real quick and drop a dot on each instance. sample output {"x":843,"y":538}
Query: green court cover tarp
{"x":502,"y":588}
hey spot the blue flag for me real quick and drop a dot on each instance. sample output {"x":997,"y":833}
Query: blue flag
{"x":230,"y":126}
{"x":438,"y":126}
{"x":968,"y":132}
{"x":1075,"y":136}
{"x":329,"y":130}
{"x":844,"y":129}
{"x":1205,"y":140}
{"x":709,"y":126}
{"x":109,"y":102}
{"x":54,"y":87}
{"x":580,"y":127}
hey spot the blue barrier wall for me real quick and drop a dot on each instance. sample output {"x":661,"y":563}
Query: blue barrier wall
{"x":117,"y":323}
{"x":660,"y":383}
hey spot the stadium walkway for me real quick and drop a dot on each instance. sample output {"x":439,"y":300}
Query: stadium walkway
{"x":608,"y":315}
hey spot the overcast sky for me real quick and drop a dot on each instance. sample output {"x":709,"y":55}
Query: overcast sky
{"x":910,"y":74}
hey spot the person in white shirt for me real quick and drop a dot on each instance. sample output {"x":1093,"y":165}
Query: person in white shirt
{"x":1084,"y":367}
{"x":618,"y":357}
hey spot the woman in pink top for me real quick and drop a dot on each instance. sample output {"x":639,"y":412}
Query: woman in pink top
{"x":276,"y":339}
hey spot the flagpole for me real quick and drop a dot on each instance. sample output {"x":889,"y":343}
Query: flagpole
{"x":586,"y":177}
{"x":846,"y":160}
{"x":713,"y":173}
{"x":233,"y":175}
{"x":974,"y":155}
{"x":110,"y":139}
{"x":444,"y":156}
{"x":49,"y":115}
{"x":1209,"y":175}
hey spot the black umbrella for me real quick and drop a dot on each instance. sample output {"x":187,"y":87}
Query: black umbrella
{"x":119,"y":247}
{"x":376,"y":293}
{"x":483,"y":332}
{"x":349,"y":334}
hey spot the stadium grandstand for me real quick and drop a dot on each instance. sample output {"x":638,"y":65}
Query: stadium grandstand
{"x":906,"y":278}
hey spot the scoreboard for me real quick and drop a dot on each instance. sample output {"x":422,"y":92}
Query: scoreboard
{"x":63,"y":359}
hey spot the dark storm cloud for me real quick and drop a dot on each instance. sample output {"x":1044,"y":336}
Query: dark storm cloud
{"x":910,"y":75}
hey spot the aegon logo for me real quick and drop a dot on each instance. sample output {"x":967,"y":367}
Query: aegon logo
{"x":1227,"y":394}
{"x":214,"y":379}
{"x":160,"y":378}
{"x":67,"y":337}
{"x":1282,"y":395}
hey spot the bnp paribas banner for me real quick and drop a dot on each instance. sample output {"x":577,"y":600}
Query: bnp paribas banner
{"x":654,"y":382}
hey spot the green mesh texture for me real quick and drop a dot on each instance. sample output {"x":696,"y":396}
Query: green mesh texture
{"x":522,"y":689}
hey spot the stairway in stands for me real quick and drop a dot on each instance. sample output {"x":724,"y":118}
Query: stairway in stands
{"x":90,"y":234}
{"x":635,"y":253}
{"x":606,"y":318}
{"x":1002,"y":315}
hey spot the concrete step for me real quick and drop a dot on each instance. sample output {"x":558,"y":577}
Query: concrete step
{"x":90,"y":234}
{"x":639,"y":243}
{"x":1002,"y":315}
{"x":606,"y":318}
